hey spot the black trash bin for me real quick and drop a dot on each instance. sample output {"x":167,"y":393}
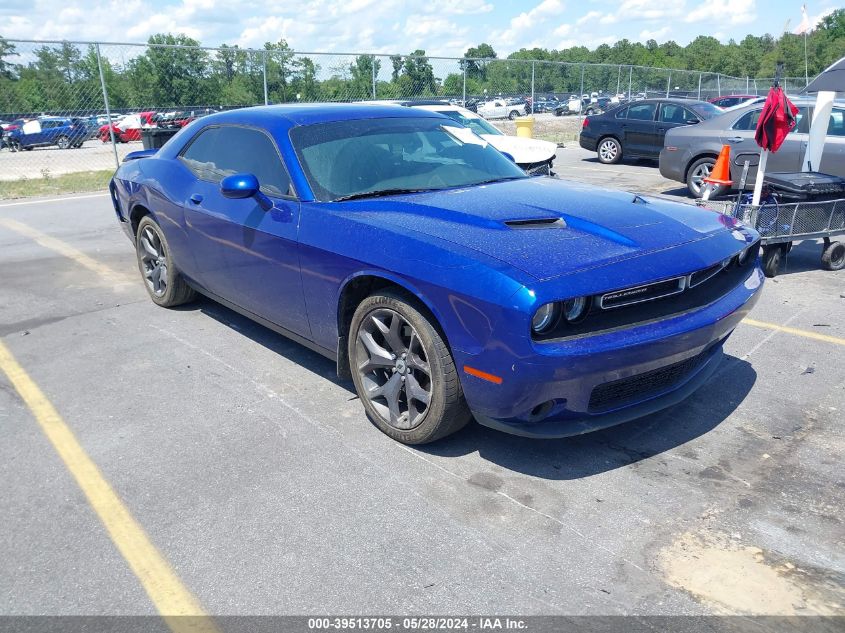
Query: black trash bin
{"x":156,"y":137}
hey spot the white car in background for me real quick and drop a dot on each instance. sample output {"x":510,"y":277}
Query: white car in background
{"x":499,"y":109}
{"x":533,"y":155}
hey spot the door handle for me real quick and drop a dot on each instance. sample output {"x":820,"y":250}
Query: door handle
{"x":735,"y":139}
{"x":195,"y":198}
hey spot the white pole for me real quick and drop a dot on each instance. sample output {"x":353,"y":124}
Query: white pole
{"x":761,"y":171}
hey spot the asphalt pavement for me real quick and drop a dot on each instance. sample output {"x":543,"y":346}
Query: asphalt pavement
{"x":254,"y":472}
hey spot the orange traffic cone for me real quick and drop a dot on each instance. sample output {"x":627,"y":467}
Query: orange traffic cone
{"x":721,"y":174}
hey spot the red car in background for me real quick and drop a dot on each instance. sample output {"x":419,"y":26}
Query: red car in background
{"x":128,"y":128}
{"x":180,"y":119}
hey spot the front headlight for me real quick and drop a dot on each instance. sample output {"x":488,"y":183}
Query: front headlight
{"x":545,"y":318}
{"x":575,"y":309}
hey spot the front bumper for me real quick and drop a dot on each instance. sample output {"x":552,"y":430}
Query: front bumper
{"x":553,"y":393}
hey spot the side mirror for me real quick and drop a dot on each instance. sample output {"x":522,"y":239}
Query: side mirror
{"x":509,"y":157}
{"x":692,"y":121}
{"x":240,"y":186}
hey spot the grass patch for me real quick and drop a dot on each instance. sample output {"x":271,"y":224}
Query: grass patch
{"x":78,"y":182}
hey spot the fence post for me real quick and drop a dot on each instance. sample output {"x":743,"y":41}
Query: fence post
{"x":264,"y":71}
{"x":374,"y":76}
{"x":719,"y":84}
{"x":746,"y":84}
{"x":630,"y":80}
{"x":699,"y":86}
{"x":668,"y":84}
{"x":618,"y":79}
{"x":532,"y":87}
{"x":581,"y":95}
{"x":106,"y":104}
{"x":465,"y":85}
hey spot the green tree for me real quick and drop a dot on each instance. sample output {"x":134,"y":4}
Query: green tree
{"x":419,"y":75}
{"x":477,"y":67}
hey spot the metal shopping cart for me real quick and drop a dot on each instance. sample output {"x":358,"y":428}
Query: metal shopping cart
{"x":781,"y":224}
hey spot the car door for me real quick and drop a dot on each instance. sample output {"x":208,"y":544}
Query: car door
{"x":639,"y":130}
{"x":740,"y":137}
{"x":833,"y":154}
{"x":245,"y":254}
{"x":672,"y":115}
{"x":31,"y":133}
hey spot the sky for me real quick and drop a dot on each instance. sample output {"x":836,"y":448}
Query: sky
{"x":441,"y":27}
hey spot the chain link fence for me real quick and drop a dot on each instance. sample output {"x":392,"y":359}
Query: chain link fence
{"x":72,"y":110}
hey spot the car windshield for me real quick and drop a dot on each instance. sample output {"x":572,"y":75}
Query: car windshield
{"x":706,"y":110}
{"x":369,"y":157}
{"x":476,"y":124}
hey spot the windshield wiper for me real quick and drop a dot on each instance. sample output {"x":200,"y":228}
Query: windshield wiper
{"x":378,"y":193}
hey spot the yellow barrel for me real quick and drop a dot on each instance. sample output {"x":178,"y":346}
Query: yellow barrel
{"x":525,"y":126}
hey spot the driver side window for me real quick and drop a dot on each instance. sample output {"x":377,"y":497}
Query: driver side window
{"x":217,"y":152}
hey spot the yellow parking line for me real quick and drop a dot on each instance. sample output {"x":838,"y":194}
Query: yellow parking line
{"x":170,"y":597}
{"x":795,"y":331}
{"x":65,"y":249}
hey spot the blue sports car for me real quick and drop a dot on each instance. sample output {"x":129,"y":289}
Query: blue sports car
{"x":442,"y":280}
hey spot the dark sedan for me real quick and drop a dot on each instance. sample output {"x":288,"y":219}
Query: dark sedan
{"x":637,"y":130}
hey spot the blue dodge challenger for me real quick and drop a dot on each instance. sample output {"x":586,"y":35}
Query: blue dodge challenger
{"x":440,"y":278}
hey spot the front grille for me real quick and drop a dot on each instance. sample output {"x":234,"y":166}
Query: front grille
{"x":619,"y":392}
{"x":647,"y":292}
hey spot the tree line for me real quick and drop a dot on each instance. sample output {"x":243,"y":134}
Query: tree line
{"x":175,"y":72}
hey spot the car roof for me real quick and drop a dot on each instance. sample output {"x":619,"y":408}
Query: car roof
{"x":681,"y":100}
{"x":310,"y":113}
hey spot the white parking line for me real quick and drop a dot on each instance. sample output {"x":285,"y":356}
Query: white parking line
{"x":64,"y":199}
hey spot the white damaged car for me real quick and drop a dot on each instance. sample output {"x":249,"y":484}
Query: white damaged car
{"x":533,"y":155}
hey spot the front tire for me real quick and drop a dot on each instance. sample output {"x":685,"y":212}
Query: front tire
{"x":162,"y":279}
{"x":696,"y":174}
{"x":513,"y":114}
{"x":404,"y":372}
{"x":609,"y":151}
{"x":63,"y":142}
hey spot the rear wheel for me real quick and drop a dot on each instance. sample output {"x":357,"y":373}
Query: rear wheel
{"x":404,"y":372}
{"x":833,"y":257}
{"x":609,"y":151}
{"x":63,"y":142}
{"x":162,"y":279}
{"x":771,"y":259}
{"x":696,"y":174}
{"x":513,"y":114}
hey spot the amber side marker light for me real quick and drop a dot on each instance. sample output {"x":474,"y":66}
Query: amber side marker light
{"x":472,"y":371}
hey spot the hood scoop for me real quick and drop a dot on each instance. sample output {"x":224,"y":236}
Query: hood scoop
{"x":536,"y":223}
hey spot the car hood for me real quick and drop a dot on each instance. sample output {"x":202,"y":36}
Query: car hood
{"x":577,"y":226}
{"x":523,"y":150}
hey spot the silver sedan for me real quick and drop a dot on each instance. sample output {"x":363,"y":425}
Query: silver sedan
{"x":689,"y":153}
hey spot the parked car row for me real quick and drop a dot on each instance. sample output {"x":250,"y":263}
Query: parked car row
{"x":686,"y":136}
